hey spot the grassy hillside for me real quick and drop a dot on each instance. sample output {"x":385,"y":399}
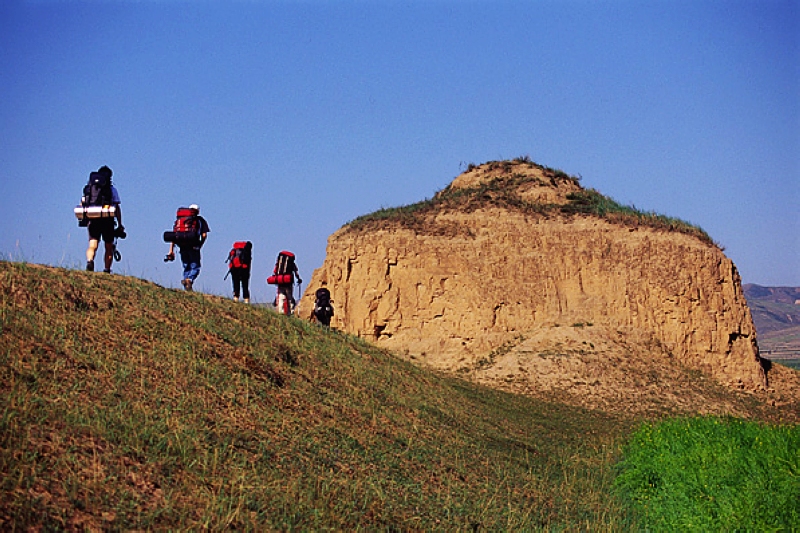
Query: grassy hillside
{"x":126,"y":406}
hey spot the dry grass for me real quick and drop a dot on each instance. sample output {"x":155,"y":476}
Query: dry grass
{"x":127,"y":406}
{"x":503,"y":191}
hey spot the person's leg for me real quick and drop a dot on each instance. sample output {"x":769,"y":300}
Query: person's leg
{"x":109,"y":257}
{"x":237,"y":281}
{"x":246,"y":286}
{"x":288,"y":300}
{"x":195,"y":270}
{"x":90,"y":253}
{"x":192,"y":269}
{"x":94,"y":241}
{"x":188,"y":262}
{"x":283,"y":300}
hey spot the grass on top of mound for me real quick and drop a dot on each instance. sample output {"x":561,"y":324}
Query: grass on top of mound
{"x":502,"y":192}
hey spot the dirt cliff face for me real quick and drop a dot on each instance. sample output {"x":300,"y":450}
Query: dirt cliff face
{"x":508,"y":276}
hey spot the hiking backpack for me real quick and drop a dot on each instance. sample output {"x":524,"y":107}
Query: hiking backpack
{"x":240,"y":255}
{"x":186,"y":229}
{"x":97,"y":192}
{"x":283,"y":274}
{"x":323,"y":309}
{"x":97,"y":199}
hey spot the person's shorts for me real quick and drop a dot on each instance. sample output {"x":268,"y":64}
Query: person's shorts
{"x":102,"y":229}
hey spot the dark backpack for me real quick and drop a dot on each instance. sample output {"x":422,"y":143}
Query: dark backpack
{"x":285,"y":264}
{"x":240,"y":255}
{"x":284,"y":271}
{"x":323,"y":309}
{"x":186,"y":229}
{"x":97,"y":192}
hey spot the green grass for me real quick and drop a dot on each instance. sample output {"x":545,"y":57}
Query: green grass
{"x":591,"y":202}
{"x":502,"y":192}
{"x":127,"y":406}
{"x":712,"y":474}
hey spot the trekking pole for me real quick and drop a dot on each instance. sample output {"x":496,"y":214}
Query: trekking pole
{"x":299,"y":291}
{"x":227,"y":260}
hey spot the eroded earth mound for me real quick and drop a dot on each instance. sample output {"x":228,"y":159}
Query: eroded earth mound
{"x":517,"y":276}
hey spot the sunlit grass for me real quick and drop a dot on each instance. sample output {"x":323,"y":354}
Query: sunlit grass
{"x":712,"y":474}
{"x":127,"y":406}
{"x":501,"y":191}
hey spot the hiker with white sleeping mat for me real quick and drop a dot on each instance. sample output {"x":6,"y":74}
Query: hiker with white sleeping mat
{"x":101,"y":214}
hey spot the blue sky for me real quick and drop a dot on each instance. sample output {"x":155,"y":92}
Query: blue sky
{"x":285,"y":120}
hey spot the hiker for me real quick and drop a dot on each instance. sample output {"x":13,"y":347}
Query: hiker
{"x":190,"y":232}
{"x":100,"y":193}
{"x":283,"y":276}
{"x":239,"y":259}
{"x":323,"y":306}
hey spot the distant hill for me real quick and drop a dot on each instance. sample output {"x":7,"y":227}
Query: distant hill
{"x":776,"y":314}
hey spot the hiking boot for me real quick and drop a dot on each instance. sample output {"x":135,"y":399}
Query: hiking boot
{"x":89,"y":266}
{"x":247,"y":300}
{"x":235,"y":298}
{"x":187,"y":284}
{"x":107,"y":270}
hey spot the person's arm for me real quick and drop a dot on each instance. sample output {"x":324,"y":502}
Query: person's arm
{"x":204,"y":229}
{"x":116,"y":201}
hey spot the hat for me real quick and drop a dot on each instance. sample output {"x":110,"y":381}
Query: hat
{"x":195,"y":206}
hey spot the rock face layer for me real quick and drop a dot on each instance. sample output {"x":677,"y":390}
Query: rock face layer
{"x":511,"y":249}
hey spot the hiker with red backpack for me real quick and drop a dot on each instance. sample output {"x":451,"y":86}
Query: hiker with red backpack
{"x":239,"y":259}
{"x":100,"y":213}
{"x":283,"y":276}
{"x":189,"y":232}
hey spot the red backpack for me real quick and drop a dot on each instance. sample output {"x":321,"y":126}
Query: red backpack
{"x":240,"y":255}
{"x":186,"y":229}
{"x":284,"y":269}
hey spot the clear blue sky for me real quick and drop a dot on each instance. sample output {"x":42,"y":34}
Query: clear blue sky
{"x":285,"y":120}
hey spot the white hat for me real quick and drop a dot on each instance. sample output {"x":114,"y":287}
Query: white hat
{"x":195,"y":206}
